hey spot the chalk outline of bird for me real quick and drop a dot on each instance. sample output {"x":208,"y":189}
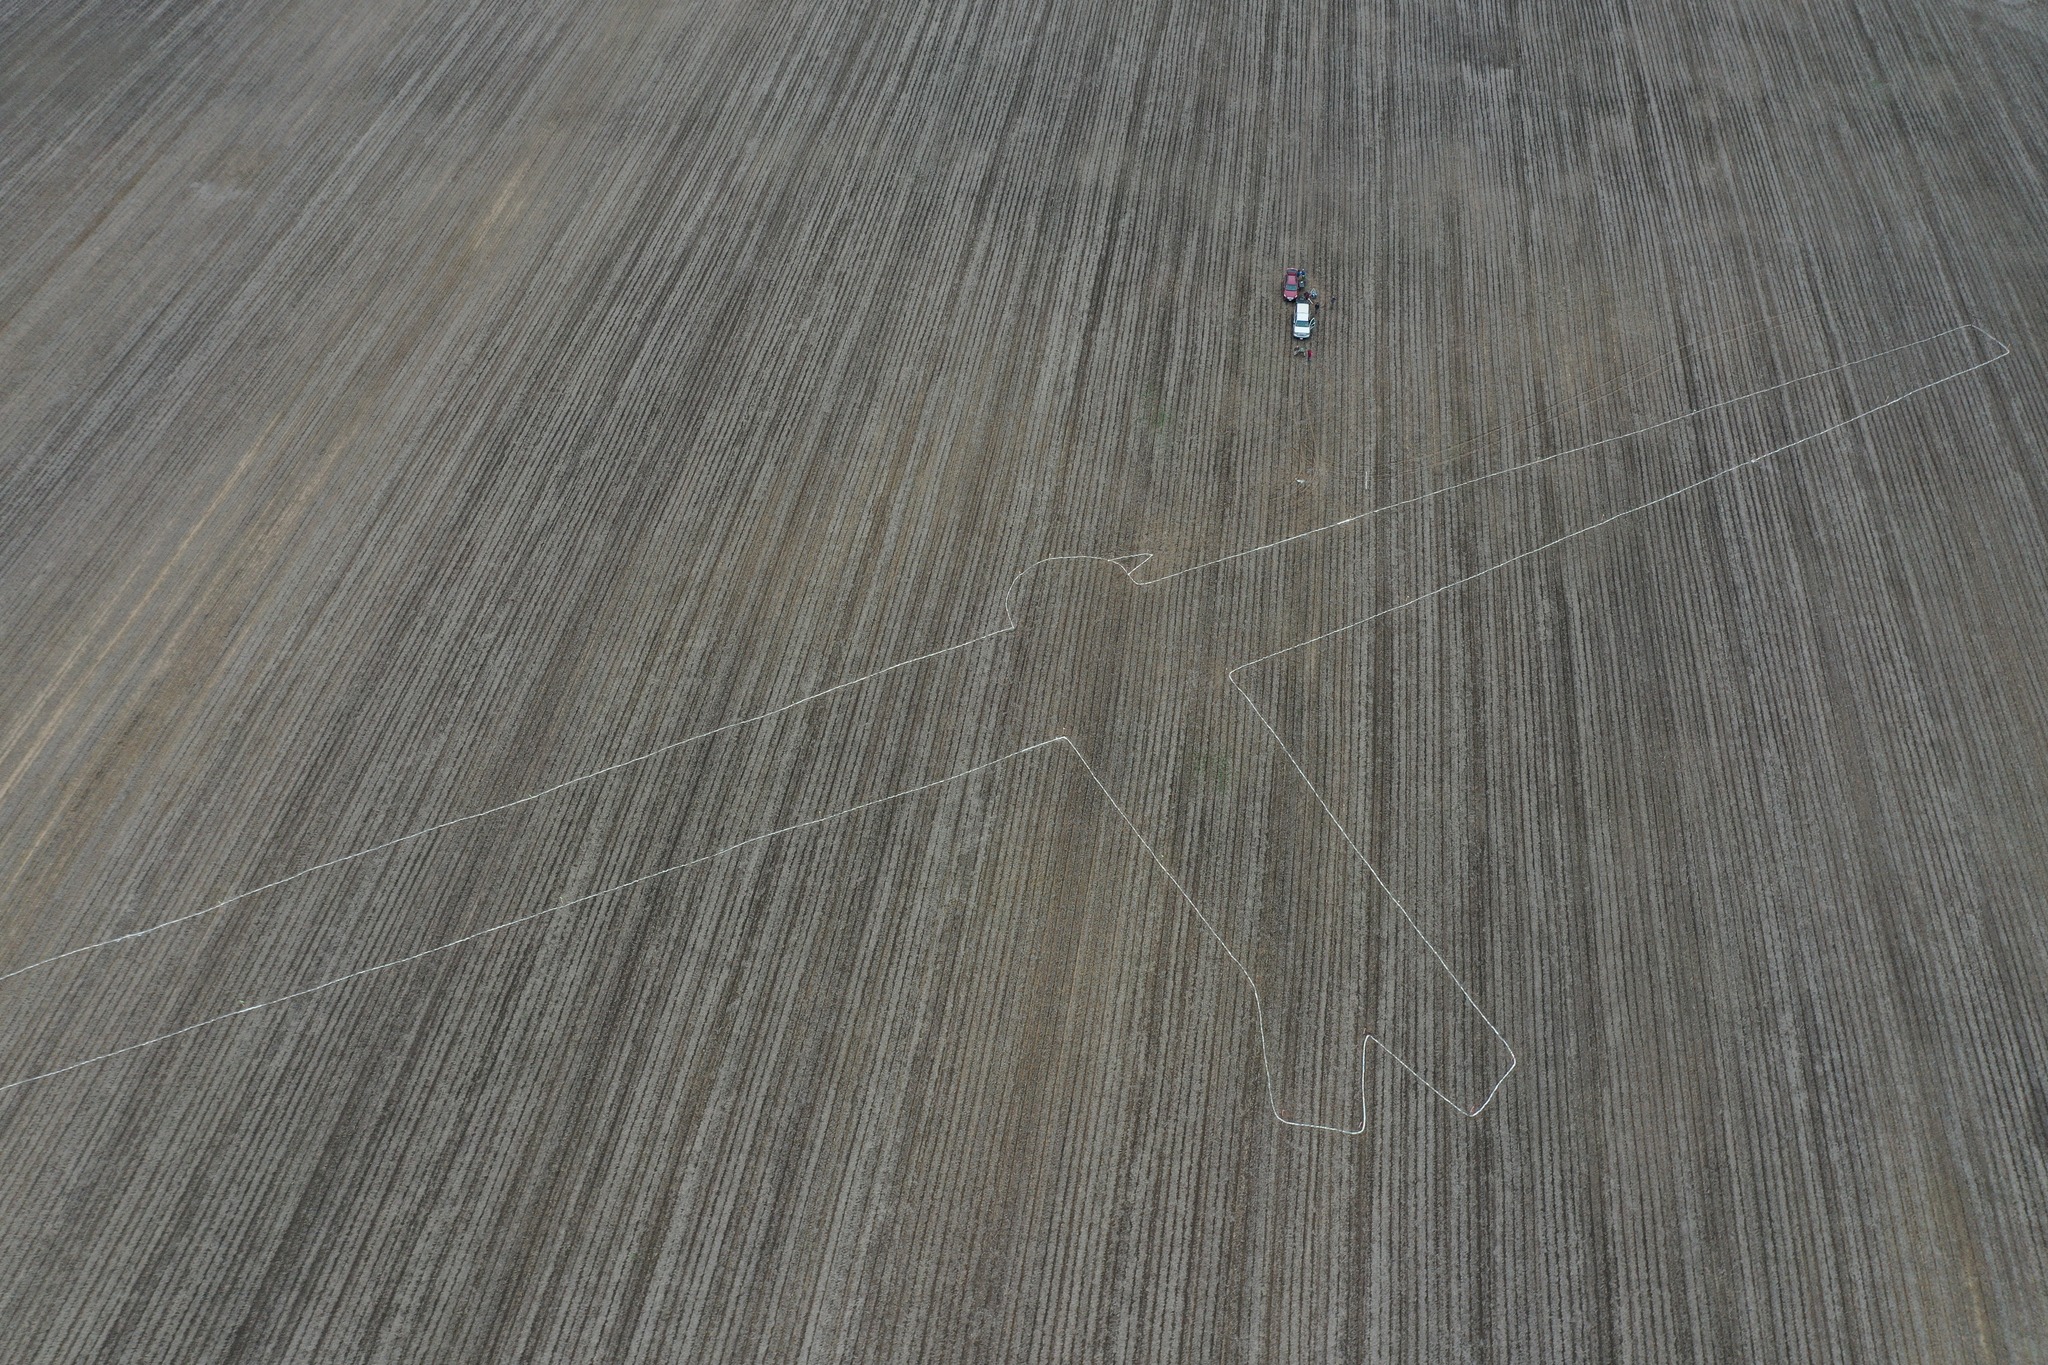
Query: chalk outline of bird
{"x":874,"y":690}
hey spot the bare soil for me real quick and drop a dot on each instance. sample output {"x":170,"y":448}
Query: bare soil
{"x":405,"y":408}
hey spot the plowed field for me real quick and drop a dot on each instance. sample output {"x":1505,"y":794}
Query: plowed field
{"x":581,"y":780}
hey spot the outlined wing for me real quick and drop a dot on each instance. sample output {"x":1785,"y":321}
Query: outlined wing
{"x":1308,"y":586}
{"x":567,"y":847}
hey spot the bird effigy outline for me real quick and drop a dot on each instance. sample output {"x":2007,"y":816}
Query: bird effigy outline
{"x":1132,"y":677}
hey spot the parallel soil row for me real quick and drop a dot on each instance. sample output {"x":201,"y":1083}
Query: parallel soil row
{"x":408,"y":407}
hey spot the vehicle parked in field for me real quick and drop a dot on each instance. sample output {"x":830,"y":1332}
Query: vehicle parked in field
{"x":1304,"y":320}
{"x":1296,"y":280}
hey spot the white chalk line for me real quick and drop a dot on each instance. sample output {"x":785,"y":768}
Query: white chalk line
{"x":1258,"y":996}
{"x":347,"y":977}
{"x":494,"y":810}
{"x":1321,"y":801}
{"x":1702,"y":482}
{"x":1372,"y":869}
{"x":2003,"y":351}
{"x":1208,"y":925}
{"x":1133,"y":561}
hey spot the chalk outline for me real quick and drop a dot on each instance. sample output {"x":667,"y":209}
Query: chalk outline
{"x":1129,"y":563}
